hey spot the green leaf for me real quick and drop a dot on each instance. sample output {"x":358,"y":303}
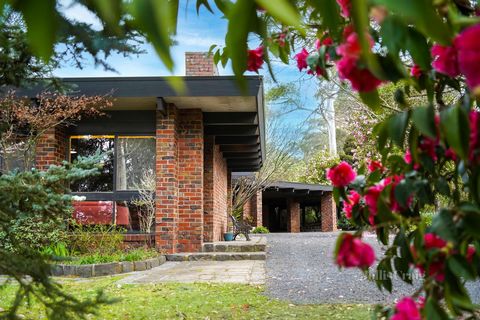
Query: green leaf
{"x":455,"y":125}
{"x":330,"y":13}
{"x":158,"y":20}
{"x":41,"y":19}
{"x":403,"y":190}
{"x":471,"y":223}
{"x":433,"y":311}
{"x":422,"y":14}
{"x":393,"y":34}
{"x":203,"y":3}
{"x":371,"y":99}
{"x":397,"y":126}
{"x":283,"y":11}
{"x":242,"y":16}
{"x":443,"y":225}
{"x":424,"y":120}
{"x":418,"y":47}
{"x":108,"y":10}
{"x":460,"y":267}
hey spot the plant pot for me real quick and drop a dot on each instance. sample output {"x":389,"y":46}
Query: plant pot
{"x":228,"y":236}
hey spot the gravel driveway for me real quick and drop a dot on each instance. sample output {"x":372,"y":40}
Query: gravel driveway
{"x":300,"y":268}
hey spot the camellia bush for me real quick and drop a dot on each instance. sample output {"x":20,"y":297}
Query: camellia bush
{"x":429,"y":151}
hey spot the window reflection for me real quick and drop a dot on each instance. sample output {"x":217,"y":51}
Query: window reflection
{"x":87,"y":146}
{"x":135,"y":159}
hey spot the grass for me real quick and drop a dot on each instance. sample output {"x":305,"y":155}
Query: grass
{"x":131,"y":255}
{"x":191,"y":301}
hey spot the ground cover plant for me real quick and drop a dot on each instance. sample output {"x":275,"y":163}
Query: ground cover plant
{"x":192,"y":301}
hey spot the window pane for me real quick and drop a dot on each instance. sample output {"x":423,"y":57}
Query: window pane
{"x":135,"y":162}
{"x":87,"y":146}
{"x":136,"y":215}
{"x":93,"y":212}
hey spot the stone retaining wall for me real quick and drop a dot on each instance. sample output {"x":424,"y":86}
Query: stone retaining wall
{"x":105,"y":269}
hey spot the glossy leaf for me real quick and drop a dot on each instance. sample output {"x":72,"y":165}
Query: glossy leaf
{"x":42,"y":22}
{"x":420,"y":13}
{"x":283,"y":11}
{"x":423,"y":120}
{"x":330,"y":14}
{"x":371,"y":99}
{"x":397,"y":126}
{"x":455,"y":125}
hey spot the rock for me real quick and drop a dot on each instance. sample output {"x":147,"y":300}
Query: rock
{"x":105,"y":269}
{"x":127,"y":266}
{"x":140,"y":265}
{"x":85,"y":271}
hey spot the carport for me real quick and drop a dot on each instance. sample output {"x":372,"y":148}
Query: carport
{"x":298,"y":207}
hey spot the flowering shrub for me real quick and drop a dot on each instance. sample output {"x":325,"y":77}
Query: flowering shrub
{"x":425,"y":152}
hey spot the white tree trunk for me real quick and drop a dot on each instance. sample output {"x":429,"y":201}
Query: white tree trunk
{"x":331,"y":128}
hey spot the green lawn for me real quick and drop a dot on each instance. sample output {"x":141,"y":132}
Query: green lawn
{"x":194,"y":301}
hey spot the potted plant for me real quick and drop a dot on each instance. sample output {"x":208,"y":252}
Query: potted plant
{"x":228,"y":235}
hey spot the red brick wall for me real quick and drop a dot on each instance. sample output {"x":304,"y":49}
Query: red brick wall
{"x":215,"y":192}
{"x":51,"y":148}
{"x":328,"y":212}
{"x":190,"y":180}
{"x":252,"y":210}
{"x":166,"y":198}
{"x":199,"y":64}
{"x":293,"y":222}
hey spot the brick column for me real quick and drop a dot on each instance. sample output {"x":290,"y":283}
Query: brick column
{"x":208,"y":189}
{"x":166,"y":219}
{"x":257,"y":209}
{"x":328,"y":211}
{"x":293,"y":210}
{"x":51,"y":148}
{"x":190,"y":180}
{"x":200,"y":64}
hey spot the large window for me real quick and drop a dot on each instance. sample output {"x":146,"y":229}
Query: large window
{"x":128,"y":168}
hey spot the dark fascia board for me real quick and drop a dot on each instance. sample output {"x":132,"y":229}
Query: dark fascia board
{"x":230,"y":118}
{"x":131,"y":87}
{"x":261,"y":120}
{"x":299,"y":186}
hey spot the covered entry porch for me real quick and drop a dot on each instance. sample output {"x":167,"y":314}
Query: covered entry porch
{"x":298,"y":207}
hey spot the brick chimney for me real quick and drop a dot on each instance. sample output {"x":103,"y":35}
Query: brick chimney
{"x":200,"y":64}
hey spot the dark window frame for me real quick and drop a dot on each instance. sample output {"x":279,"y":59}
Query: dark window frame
{"x":115,"y":195}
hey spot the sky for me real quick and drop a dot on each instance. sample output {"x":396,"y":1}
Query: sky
{"x":194,"y":33}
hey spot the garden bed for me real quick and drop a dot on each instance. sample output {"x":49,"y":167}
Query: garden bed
{"x":105,"y":269}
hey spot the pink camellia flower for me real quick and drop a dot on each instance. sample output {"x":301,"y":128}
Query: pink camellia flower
{"x":345,"y":6}
{"x":353,"y":199}
{"x":450,"y":154}
{"x":301,"y":58}
{"x":470,"y":253}
{"x":348,"y":30}
{"x":351,"y":47}
{"x":474,"y":141}
{"x":437,"y":269}
{"x":341,"y":175}
{"x":432,"y":241}
{"x":445,"y":60}
{"x":362,"y":80}
{"x":353,"y":252}
{"x":255,"y":59}
{"x":374,"y":165}
{"x":395,"y":206}
{"x":468,"y":52}
{"x":427,"y":145}
{"x":406,"y":309}
{"x":371,"y":198}
{"x":416,"y":71}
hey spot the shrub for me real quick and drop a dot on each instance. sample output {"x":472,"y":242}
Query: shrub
{"x":132,"y":255}
{"x":98,"y":239}
{"x":260,"y":229}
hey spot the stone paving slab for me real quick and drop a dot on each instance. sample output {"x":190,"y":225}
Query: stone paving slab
{"x":245,"y":272}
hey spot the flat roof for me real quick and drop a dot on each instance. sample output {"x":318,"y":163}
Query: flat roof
{"x":236,"y":119}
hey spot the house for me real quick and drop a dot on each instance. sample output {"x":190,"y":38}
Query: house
{"x":185,"y":146}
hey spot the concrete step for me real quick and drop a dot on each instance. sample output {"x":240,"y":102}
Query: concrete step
{"x":256,"y":244}
{"x":216,"y":256}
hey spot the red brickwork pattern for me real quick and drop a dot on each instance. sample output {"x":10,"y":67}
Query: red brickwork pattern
{"x":257,"y":209}
{"x":199,"y":64}
{"x":328,"y":212}
{"x":293,"y":222}
{"x":51,"y":148}
{"x":208,"y":189}
{"x":190,"y":180}
{"x":166,"y":219}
